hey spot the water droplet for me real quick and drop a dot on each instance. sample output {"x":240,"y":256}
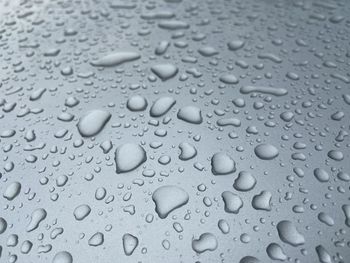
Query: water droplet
{"x":233,"y":203}
{"x":96,"y":239}
{"x":128,"y":157}
{"x":38,"y":215}
{"x":63,"y":257}
{"x":222,"y":164}
{"x":275,"y":252}
{"x":162,"y":106}
{"x":244,"y":182}
{"x":116,"y":59}
{"x":93,"y":122}
{"x":137,"y":103}
{"x":190,"y":114}
{"x":12,"y":191}
{"x":130,"y":243}
{"x":165,"y":71}
{"x":81,"y":212}
{"x":205,"y":242}
{"x":168,"y":198}
{"x":289,"y":234}
{"x":266,"y":151}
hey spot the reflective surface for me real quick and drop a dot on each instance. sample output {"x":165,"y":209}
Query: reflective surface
{"x":177,"y":131}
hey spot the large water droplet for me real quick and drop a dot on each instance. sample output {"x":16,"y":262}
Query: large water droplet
{"x":289,"y":234}
{"x":205,"y":242}
{"x":168,"y":198}
{"x":190,"y":114}
{"x":130,"y":243}
{"x":12,"y":190}
{"x":266,"y":151}
{"x":63,"y":257}
{"x":233,"y":203}
{"x":162,"y":106}
{"x":115,"y":59}
{"x":128,"y":157}
{"x":93,"y":122}
{"x":222,"y":164}
{"x":165,"y":71}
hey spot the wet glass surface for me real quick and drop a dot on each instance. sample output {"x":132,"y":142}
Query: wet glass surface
{"x":174,"y":131}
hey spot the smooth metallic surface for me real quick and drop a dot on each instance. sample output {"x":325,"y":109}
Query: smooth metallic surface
{"x":174,"y":131}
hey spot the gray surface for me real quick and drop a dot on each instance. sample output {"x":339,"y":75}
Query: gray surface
{"x":310,"y":39}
